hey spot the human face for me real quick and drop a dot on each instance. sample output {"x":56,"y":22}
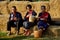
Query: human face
{"x":13,"y":10}
{"x":43,"y":9}
{"x":28,"y":9}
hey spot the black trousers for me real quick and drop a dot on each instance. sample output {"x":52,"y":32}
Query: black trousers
{"x":11,"y":24}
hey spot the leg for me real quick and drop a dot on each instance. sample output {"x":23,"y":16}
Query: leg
{"x":27,"y":27}
{"x":19,"y":24}
{"x":9,"y":24}
{"x":40,"y":25}
{"x":45,"y":26}
{"x":25,"y":24}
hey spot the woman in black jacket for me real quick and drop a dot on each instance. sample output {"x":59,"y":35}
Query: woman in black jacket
{"x":27,"y":24}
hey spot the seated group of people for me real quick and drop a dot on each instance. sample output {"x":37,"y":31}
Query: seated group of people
{"x":16,"y":20}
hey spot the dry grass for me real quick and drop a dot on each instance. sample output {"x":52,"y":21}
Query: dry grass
{"x":21,"y":7}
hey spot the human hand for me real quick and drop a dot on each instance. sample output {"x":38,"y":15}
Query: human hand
{"x":15,"y":18}
{"x":27,"y":16}
{"x":11,"y":19}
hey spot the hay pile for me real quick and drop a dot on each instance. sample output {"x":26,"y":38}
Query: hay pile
{"x":37,"y":6}
{"x":3,"y":15}
{"x":55,"y":8}
{"x":5,"y":9}
{"x":21,"y":6}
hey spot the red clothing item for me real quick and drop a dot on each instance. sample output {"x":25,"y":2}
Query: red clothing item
{"x":44,"y":15}
{"x":30,"y":12}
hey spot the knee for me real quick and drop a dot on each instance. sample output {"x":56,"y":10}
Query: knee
{"x":24,"y":23}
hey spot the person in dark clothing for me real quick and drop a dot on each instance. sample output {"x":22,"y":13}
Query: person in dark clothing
{"x":15,"y":20}
{"x":44,"y":19}
{"x":27,"y":24}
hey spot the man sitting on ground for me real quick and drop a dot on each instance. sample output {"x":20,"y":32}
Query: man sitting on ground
{"x":15,"y":20}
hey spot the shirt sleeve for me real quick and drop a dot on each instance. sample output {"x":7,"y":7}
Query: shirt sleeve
{"x":19,"y":16}
{"x":25,"y":17}
{"x":10,"y":16}
{"x":49,"y":18}
{"x":39,"y":14}
{"x":34,"y":13}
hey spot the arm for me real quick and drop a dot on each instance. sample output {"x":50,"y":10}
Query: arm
{"x":49,"y":19}
{"x":25,"y":18}
{"x":19,"y":16}
{"x":39,"y":16}
{"x":34,"y":13}
{"x":9,"y":16}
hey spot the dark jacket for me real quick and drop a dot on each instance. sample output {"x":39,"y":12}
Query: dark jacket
{"x":18,"y":15}
{"x":48,"y":19}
